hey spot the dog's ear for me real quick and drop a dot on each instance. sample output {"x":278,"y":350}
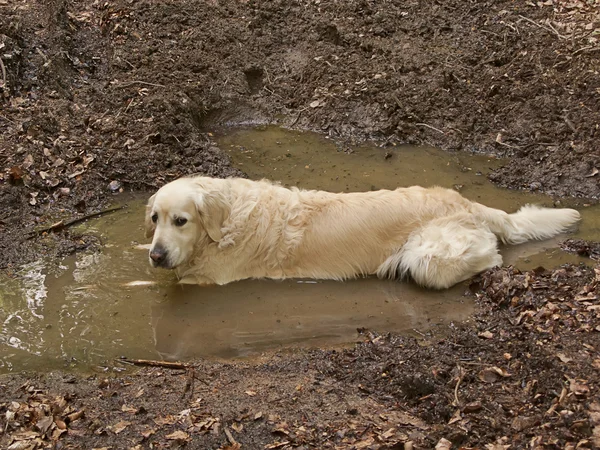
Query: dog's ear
{"x":150,"y":227}
{"x":214,"y":210}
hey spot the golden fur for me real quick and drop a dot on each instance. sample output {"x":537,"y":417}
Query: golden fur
{"x":222,"y":230}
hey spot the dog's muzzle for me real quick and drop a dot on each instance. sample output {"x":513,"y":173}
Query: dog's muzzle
{"x":158,"y":257}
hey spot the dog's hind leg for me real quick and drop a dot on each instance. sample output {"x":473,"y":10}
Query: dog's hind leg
{"x":444,"y":252}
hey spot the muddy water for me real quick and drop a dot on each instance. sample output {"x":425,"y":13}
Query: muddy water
{"x":84,"y":312}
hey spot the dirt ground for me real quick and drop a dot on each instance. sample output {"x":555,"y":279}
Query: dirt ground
{"x":97,"y":97}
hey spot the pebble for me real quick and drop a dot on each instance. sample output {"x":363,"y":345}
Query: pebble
{"x":114,"y":186}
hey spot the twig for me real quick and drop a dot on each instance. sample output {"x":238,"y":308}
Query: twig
{"x":429,"y":126}
{"x":152,"y":363}
{"x":3,"y":69}
{"x":7,"y":119}
{"x":230,"y":438}
{"x":418,"y":332}
{"x":130,"y":83}
{"x":461,"y":375}
{"x":297,"y":117}
{"x":189,"y":384}
{"x":585,"y":49}
{"x":549,"y":28}
{"x":62,"y":224}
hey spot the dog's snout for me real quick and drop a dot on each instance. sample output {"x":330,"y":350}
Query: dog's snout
{"x":158,"y":255}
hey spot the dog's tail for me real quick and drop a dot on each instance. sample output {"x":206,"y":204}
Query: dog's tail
{"x":528,"y":223}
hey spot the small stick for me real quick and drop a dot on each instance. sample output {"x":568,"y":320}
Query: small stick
{"x":3,"y":69}
{"x":429,"y":126}
{"x":189,"y":384}
{"x":61,"y":224}
{"x":550,"y":29}
{"x":131,"y":83}
{"x":153,"y":363}
{"x":6,"y":118}
{"x":461,"y":375}
{"x":230,"y":438}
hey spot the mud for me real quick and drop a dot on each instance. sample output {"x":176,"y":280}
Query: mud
{"x":103,"y":97}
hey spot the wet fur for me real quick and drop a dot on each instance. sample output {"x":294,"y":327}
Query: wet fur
{"x":240,"y":229}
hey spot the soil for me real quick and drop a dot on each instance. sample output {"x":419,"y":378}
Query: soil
{"x":106,"y":96}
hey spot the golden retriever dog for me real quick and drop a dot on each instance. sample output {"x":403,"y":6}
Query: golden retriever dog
{"x":215,"y":231}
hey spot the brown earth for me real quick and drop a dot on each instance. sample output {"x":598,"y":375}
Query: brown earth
{"x":99,"y":97}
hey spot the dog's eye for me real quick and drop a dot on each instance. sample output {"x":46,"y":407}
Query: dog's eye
{"x":154,"y":217}
{"x":180,"y":221}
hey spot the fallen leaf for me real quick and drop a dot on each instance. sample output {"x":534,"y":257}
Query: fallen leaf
{"x":443,"y":444}
{"x":564,"y":358}
{"x":455,"y":417}
{"x":168,"y":420}
{"x":44,"y":424}
{"x":178,"y":436}
{"x":594,"y":173}
{"x":148,"y":433}
{"x":388,"y":434}
{"x":258,"y":415}
{"x":251,"y":393}
{"x":492,"y":374}
{"x":28,"y":162}
{"x":521,"y":423}
{"x":76,"y":415}
{"x":120,"y":426}
{"x":15,"y":173}
{"x":578,"y":387}
{"x":238,"y":427}
{"x":129,"y":409}
{"x":486,"y":334}
{"x":472,"y":407}
{"x":283,"y":444}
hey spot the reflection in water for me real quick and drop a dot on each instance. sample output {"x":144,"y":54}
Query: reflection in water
{"x":243,"y":318}
{"x":96,"y":307}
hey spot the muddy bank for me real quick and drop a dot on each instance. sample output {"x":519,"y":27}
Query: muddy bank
{"x":103,"y":96}
{"x":523,"y":373}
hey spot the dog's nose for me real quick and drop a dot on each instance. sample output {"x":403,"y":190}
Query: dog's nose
{"x":158,"y":255}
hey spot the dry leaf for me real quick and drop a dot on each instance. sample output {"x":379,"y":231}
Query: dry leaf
{"x":455,"y":417}
{"x":472,"y":407}
{"x":578,"y":387}
{"x":564,"y":358}
{"x":251,"y":393}
{"x":178,"y":436}
{"x":15,"y":173}
{"x":120,"y":426}
{"x":148,"y":433}
{"x":28,"y":162}
{"x":238,"y":427}
{"x":486,"y":334}
{"x":443,"y":444}
{"x":129,"y":409}
{"x":492,"y":374}
{"x":521,"y":423}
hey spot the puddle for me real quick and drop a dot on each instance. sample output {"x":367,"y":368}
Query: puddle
{"x":81,"y":315}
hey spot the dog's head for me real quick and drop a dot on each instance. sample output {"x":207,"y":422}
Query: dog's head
{"x":183,"y":215}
